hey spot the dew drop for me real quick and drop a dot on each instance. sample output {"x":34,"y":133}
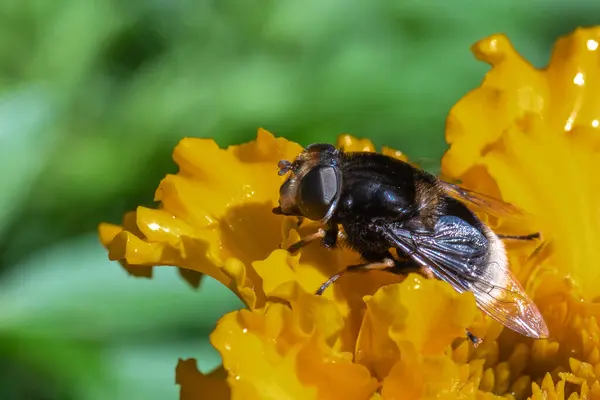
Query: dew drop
{"x":248,"y":191}
{"x":569,"y":124}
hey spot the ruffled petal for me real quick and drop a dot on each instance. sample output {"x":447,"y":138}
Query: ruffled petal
{"x":108,"y":232}
{"x":314,"y":265}
{"x":208,"y":215}
{"x":411,"y":312}
{"x":421,"y":377}
{"x":194,"y":385}
{"x":530,"y":136}
{"x":286,"y":352}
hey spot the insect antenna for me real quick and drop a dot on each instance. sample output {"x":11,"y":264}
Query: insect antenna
{"x":284,"y":167}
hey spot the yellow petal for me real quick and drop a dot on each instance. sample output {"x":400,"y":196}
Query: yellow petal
{"x":208,"y":215}
{"x":351,"y":143}
{"x":316,"y":315}
{"x":525,"y":131}
{"x":333,"y":373}
{"x":282,"y":352}
{"x":192,"y":277}
{"x":250,"y":346}
{"x":194,"y":385}
{"x":420,"y":377}
{"x":530,"y":137}
{"x":411,"y":312}
{"x":107,"y":233}
{"x":313,"y":266}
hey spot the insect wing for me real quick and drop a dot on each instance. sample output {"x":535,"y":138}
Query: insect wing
{"x":506,"y":301}
{"x":488,"y":204}
{"x":449,"y":252}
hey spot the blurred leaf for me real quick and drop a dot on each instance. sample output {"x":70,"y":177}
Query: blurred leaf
{"x":73,"y":291}
{"x":25,"y":144}
{"x":148,"y":371}
{"x":64,"y":367}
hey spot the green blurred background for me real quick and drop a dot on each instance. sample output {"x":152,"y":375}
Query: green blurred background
{"x":96,"y":93}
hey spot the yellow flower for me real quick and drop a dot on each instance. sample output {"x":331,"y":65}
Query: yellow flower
{"x":530,"y":137}
{"x":527,"y":136}
{"x":216,"y":218}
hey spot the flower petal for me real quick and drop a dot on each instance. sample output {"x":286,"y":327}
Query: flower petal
{"x":282,"y":352}
{"x":313,"y":266}
{"x":530,"y":137}
{"x":351,"y":143}
{"x":209,"y":213}
{"x":410,"y":312}
{"x":108,"y":232}
{"x":416,"y":376}
{"x":194,"y":385}
{"x":333,"y":373}
{"x":509,"y":138}
{"x":261,"y":365}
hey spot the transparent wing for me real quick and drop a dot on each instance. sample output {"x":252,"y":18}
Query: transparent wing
{"x":488,"y":204}
{"x":455,"y":253}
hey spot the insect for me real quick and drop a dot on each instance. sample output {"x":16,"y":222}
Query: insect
{"x":382,"y":203}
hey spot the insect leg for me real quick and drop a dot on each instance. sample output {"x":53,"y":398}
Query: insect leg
{"x":427,"y":272}
{"x":386,"y":263}
{"x":531,"y":236}
{"x":319,"y":234}
{"x":328,"y":237}
{"x":407,"y":266}
{"x":331,"y":237}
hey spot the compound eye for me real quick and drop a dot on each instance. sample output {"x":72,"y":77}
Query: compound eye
{"x":318,"y":191}
{"x":320,"y":148}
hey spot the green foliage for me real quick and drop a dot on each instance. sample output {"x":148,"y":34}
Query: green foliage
{"x":94,"y":95}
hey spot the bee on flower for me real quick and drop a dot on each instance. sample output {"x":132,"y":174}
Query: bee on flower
{"x":528,"y":137}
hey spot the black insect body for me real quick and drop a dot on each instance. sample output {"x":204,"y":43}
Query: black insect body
{"x":383,"y":203}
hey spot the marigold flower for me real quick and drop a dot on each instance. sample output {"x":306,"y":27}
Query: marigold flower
{"x":377,"y":335}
